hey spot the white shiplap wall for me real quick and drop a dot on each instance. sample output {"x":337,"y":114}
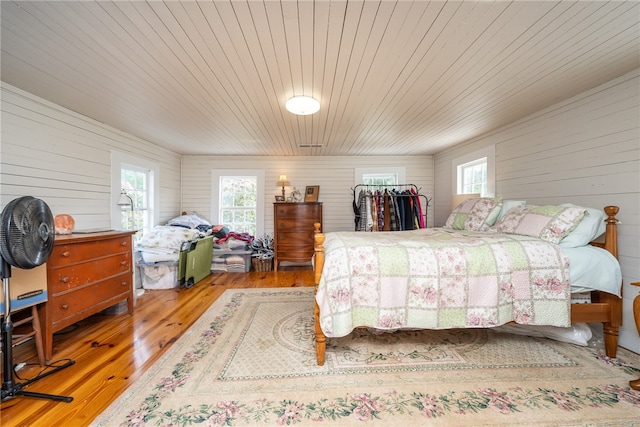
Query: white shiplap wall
{"x":585,"y":150}
{"x":334,"y":175}
{"x":64,"y":158}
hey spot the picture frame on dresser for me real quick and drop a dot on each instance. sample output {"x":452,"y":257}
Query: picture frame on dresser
{"x":311,"y":193}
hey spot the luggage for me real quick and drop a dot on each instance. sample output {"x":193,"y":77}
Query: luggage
{"x":194,"y":263}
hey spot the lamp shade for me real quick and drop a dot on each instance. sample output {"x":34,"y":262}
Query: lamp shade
{"x":283,"y":180}
{"x":125,"y":200}
{"x":456,"y":199}
{"x":302,"y":105}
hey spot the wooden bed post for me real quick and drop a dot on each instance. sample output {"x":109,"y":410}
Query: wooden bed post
{"x":610,"y":327}
{"x":321,"y":340}
{"x":604,"y":307}
{"x":611,"y":234}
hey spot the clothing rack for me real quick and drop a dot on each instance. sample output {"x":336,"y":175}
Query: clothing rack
{"x":389,"y":207}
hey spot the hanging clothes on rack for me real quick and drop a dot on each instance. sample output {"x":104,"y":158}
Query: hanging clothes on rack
{"x":395,"y":207}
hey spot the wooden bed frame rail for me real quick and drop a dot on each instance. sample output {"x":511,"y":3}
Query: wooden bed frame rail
{"x":604,"y":308}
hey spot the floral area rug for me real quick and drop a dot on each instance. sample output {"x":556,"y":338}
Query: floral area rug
{"x":250,"y":360}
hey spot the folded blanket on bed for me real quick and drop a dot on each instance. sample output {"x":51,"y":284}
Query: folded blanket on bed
{"x":440,"y":278}
{"x":167,"y":237}
{"x":163,"y":242}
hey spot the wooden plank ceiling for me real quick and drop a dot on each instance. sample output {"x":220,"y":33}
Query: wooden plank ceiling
{"x":392,"y":78}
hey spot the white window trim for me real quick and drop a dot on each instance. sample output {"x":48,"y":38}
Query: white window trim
{"x":488,"y":152}
{"x":215,"y":194}
{"x":118,"y":160}
{"x":400,"y":172}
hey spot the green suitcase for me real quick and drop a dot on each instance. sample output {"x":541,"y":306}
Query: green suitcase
{"x":194,"y":263}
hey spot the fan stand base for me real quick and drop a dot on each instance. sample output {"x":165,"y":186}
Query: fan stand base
{"x":10,"y":388}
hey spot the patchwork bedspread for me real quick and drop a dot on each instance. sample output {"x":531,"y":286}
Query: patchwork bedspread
{"x":439,"y":279}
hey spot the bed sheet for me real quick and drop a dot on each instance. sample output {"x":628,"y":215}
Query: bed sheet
{"x":593,"y":269}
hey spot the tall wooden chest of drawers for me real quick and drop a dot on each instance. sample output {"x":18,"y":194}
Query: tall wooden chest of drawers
{"x":293,"y":231}
{"x":86,"y":273}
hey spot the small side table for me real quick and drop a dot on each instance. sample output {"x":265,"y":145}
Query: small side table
{"x":635,"y":384}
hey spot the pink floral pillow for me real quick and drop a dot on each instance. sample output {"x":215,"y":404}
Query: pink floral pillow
{"x":549,"y":222}
{"x":474,"y":214}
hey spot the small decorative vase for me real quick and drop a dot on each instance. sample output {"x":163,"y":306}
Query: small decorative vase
{"x":296,"y":195}
{"x":64,"y":224}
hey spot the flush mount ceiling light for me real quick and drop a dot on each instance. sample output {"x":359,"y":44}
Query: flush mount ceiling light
{"x":302,"y":105}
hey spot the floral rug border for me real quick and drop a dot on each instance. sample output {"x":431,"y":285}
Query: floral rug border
{"x":363,"y":406}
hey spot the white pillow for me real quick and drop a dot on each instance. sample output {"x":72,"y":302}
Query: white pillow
{"x":588,"y":229}
{"x":189,"y":221}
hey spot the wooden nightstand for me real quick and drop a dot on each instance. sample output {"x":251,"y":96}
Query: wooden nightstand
{"x":293,"y":231}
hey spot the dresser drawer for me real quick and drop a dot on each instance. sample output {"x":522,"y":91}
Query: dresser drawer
{"x":295,"y":239}
{"x":298,"y":210}
{"x":299,"y":224}
{"x":70,"y":253}
{"x":65,"y":278}
{"x":295,"y":254}
{"x":75,"y":305}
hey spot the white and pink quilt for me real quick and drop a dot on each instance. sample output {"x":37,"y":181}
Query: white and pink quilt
{"x":439,"y":279}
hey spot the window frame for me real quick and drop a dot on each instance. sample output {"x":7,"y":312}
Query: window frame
{"x":136,"y":194}
{"x":399,"y":171}
{"x":216,"y":174}
{"x":458,"y":164}
{"x":121,"y":160}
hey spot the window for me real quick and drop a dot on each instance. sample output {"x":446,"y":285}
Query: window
{"x":238,"y":200}
{"x":473,"y":177}
{"x":379,"y":176}
{"x":475,"y":173}
{"x":238,"y":204}
{"x":135,"y":183}
{"x":139,"y":180}
{"x":379,"y":179}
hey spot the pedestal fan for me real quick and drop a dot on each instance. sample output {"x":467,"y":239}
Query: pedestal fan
{"x":26,"y":241}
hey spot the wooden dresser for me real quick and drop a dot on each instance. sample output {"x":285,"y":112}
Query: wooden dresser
{"x":86,"y":273}
{"x":293,"y":231}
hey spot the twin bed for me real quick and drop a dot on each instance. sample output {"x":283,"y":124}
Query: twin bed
{"x":493,"y":263}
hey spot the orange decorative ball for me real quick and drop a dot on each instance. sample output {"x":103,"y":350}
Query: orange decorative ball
{"x":64,"y":224}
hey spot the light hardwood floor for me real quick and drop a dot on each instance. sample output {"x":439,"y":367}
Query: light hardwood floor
{"x":112,"y":350}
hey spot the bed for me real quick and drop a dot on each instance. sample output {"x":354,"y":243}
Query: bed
{"x":513,"y":266}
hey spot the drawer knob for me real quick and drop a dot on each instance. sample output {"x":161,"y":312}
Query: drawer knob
{"x":123,"y":263}
{"x":65,"y":254}
{"x":123,"y":243}
{"x":123,"y":283}
{"x":64,"y":279}
{"x":65,"y":306}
